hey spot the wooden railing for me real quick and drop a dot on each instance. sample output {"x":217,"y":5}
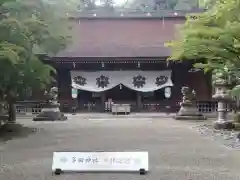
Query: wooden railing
{"x":29,"y":107}
{"x":36,"y":107}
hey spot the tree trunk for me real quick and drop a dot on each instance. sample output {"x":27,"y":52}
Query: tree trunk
{"x":11,"y":112}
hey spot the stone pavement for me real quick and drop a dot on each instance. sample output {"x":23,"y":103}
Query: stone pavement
{"x":177,"y":151}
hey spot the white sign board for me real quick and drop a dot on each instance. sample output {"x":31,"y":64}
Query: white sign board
{"x":100,"y":161}
{"x":74,"y":93}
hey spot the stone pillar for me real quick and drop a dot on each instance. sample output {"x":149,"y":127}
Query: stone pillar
{"x":223,"y":97}
{"x":139,"y":101}
{"x":222,"y":111}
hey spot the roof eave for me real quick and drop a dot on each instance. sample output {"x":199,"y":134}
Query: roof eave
{"x":169,"y":14}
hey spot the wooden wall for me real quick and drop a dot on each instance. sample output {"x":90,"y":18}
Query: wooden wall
{"x":197,"y":81}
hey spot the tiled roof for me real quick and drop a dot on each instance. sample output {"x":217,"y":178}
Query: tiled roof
{"x":121,"y":38}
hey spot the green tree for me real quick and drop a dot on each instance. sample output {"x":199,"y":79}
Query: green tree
{"x":207,"y":4}
{"x":28,"y":28}
{"x":88,"y":4}
{"x":108,"y":3}
{"x":211,"y":40}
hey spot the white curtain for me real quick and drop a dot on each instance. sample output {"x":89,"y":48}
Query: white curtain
{"x":144,"y":81}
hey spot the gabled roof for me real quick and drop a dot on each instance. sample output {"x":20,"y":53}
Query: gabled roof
{"x":121,"y":37}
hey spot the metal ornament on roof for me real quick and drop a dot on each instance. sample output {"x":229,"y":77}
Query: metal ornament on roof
{"x":138,"y":65}
{"x":167,"y":92}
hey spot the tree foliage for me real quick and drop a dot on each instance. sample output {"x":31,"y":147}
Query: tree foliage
{"x":142,"y":5}
{"x":88,"y":4}
{"x":211,"y":40}
{"x":108,"y":3}
{"x":28,"y":28}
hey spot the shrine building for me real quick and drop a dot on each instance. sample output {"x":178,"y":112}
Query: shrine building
{"x":123,"y":60}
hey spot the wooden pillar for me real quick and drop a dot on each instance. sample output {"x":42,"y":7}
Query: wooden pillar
{"x":139,"y":101}
{"x":64,"y":89}
{"x":64,"y":84}
{"x":59,"y":83}
{"x":103,"y":100}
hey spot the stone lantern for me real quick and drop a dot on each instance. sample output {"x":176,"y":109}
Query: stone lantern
{"x":51,"y":111}
{"x":189,"y":110}
{"x":223,"y":98}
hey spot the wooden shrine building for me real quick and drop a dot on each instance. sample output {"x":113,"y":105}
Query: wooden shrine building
{"x":123,"y":59}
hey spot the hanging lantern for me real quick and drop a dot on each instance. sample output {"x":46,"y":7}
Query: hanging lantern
{"x":138,"y":65}
{"x":167,"y":92}
{"x":74,"y":93}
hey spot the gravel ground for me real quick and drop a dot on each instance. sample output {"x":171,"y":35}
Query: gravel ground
{"x":176,"y":150}
{"x":226,"y":137}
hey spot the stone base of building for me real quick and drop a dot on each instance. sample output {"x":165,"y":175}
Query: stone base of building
{"x":50,"y":114}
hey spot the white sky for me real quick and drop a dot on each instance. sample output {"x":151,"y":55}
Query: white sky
{"x":117,"y":2}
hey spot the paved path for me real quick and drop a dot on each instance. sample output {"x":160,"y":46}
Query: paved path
{"x":177,"y":152}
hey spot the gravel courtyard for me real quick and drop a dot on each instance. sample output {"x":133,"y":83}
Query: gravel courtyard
{"x":176,"y":150}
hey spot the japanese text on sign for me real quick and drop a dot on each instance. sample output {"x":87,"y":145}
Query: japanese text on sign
{"x":100,"y":161}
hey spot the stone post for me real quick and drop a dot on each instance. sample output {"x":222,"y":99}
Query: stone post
{"x":223,"y":97}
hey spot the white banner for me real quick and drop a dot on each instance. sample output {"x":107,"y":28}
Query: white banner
{"x":100,"y":161}
{"x":144,"y":81}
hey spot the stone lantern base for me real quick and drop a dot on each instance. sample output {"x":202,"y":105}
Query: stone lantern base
{"x":50,"y":112}
{"x":190,"y":117}
{"x":189,"y":111}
